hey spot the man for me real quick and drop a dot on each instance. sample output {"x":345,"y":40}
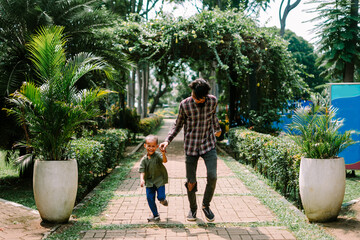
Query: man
{"x":197,"y":114}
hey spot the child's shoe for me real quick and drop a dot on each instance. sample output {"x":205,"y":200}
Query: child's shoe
{"x":153,"y":219}
{"x":164,"y":202}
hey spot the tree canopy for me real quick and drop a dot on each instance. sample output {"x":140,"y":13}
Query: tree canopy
{"x":338,"y":32}
{"x":251,"y":60}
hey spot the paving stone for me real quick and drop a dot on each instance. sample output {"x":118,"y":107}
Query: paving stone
{"x":199,"y":233}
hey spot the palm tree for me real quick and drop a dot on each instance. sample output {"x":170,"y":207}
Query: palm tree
{"x":50,"y":112}
{"x":86,"y":26}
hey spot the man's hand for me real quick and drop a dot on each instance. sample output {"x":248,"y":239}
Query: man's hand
{"x":163,"y":146}
{"x":217,"y":134}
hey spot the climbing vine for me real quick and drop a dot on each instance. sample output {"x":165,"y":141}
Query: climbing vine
{"x":256,"y":74}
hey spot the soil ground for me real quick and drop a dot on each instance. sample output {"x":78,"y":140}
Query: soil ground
{"x":347,"y":226}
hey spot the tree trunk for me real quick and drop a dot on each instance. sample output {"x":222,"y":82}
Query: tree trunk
{"x":253,"y":93}
{"x":284,"y":15}
{"x":139,"y":78}
{"x":212,"y":81}
{"x":160,"y":93}
{"x":145,"y":92}
{"x":131,"y":90}
{"x":349,"y":70}
{"x":233,"y":112}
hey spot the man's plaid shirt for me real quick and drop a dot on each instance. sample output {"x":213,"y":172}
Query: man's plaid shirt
{"x":200,"y":124}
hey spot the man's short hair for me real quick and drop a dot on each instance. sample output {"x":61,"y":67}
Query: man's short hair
{"x":200,"y":87}
{"x":150,"y":138}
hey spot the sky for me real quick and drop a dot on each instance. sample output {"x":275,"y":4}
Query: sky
{"x":296,"y":20}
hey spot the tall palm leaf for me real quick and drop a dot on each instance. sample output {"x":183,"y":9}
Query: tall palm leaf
{"x":53,"y":110}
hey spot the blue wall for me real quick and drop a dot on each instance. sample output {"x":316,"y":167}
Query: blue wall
{"x":346,"y":97}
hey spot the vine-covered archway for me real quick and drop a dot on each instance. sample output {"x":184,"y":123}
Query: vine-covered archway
{"x":254,"y":70}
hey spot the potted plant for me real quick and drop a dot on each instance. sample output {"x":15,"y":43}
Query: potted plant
{"x":50,"y":112}
{"x":315,"y":129}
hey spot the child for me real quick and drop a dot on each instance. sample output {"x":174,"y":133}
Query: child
{"x":154,"y":175}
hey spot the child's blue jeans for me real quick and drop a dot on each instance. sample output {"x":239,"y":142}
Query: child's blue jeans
{"x":150,"y":195}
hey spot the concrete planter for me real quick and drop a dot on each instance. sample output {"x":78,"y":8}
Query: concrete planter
{"x":322,"y":188}
{"x":55,"y":186}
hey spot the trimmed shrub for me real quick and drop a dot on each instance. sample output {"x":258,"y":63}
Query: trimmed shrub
{"x":114,"y":141}
{"x":89,"y":156}
{"x":276,"y":158}
{"x":124,"y":118}
{"x":150,"y":124}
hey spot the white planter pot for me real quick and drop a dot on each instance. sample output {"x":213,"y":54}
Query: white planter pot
{"x":55,"y":186}
{"x":322,"y":188}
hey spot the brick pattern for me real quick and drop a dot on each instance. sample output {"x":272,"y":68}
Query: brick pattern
{"x":131,"y":186}
{"x":232,"y":203}
{"x":233,"y":233}
{"x":227,"y":209}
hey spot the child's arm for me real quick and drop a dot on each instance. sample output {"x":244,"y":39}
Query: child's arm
{"x":142,"y":181}
{"x":164,"y":156}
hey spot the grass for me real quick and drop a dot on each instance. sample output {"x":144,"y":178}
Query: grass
{"x":352,"y":190}
{"x":7,"y":169}
{"x":13,"y":188}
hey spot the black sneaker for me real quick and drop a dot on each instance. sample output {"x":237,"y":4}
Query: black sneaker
{"x":191,"y":216}
{"x":164,"y":202}
{"x":153,"y":219}
{"x":208,"y":214}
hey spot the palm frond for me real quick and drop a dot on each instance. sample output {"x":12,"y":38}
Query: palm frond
{"x":48,"y":54}
{"x":55,"y":109}
{"x":316,"y":130}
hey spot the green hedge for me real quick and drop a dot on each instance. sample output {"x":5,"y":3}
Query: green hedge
{"x":89,"y":156}
{"x":277,"y":158}
{"x":150,"y":124}
{"x":96,"y":155}
{"x":114,"y":141}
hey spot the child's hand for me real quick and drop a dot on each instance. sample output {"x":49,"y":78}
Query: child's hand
{"x":142,"y":182}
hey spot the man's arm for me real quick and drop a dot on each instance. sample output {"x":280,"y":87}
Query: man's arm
{"x":216,"y":123}
{"x":176,"y":128}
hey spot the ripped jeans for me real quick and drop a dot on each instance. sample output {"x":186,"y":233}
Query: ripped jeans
{"x":210,"y":159}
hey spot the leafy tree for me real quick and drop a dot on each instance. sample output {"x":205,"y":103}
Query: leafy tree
{"x":304,"y":53}
{"x":124,"y":8}
{"x":338,"y":32}
{"x":252,"y":64}
{"x":251,"y":5}
{"x":86,"y":26}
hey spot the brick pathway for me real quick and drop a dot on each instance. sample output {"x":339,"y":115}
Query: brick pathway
{"x":20,"y":223}
{"x":233,"y":204}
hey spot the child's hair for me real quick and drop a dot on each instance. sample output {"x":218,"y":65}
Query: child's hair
{"x":151,"y":137}
{"x":200,"y":87}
